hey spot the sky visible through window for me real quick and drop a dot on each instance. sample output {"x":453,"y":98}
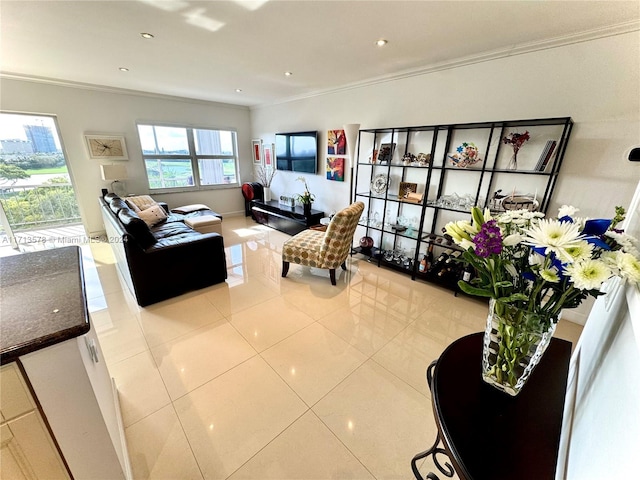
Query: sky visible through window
{"x":12,"y":126}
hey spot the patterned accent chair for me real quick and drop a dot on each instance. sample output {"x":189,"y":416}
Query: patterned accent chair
{"x":328,"y":249}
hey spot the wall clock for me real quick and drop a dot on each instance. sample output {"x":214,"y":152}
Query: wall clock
{"x":109,"y":147}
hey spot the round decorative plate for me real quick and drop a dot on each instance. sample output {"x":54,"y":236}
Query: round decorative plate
{"x":380,"y":184}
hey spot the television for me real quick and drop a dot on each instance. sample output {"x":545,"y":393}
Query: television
{"x":297,"y":152}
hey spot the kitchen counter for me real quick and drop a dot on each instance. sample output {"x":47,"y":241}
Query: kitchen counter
{"x":42,"y":301}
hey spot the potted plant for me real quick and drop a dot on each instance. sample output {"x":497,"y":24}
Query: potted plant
{"x":306,"y":198}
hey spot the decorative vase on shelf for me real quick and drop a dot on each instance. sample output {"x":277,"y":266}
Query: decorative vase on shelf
{"x":514,"y":342}
{"x":306,"y":207}
{"x":513,"y":163}
{"x":267,"y":194}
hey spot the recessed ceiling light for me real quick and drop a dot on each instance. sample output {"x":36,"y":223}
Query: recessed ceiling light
{"x":288,"y":74}
{"x":146,"y":35}
{"x":382,"y":42}
{"x":238,"y":90}
{"x":123,"y":69}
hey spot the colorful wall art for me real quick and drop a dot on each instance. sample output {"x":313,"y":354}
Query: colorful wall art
{"x":336,"y":142}
{"x":335,"y":169}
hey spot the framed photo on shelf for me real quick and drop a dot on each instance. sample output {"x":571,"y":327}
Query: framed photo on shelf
{"x":386,"y":152}
{"x":106,"y":147}
{"x":406,"y":188}
{"x":256,"y":148}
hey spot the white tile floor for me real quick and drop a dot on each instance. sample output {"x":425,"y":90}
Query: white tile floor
{"x":264,"y":377}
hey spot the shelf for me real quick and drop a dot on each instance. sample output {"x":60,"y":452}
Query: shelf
{"x":441,"y":176}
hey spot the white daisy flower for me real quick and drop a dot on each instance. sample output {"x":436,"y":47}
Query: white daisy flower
{"x":567,"y":211}
{"x":588,"y":274}
{"x":513,"y":239}
{"x":554,"y":236}
{"x":626,"y":264}
{"x":628,"y":243}
{"x":581,"y":250}
{"x":550,"y":275}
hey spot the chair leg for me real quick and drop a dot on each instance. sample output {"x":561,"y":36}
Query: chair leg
{"x":285,"y":268}
{"x":344,"y":265}
{"x":332,"y":275}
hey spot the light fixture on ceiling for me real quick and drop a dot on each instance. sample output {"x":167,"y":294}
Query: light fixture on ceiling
{"x":382,"y":42}
{"x":123,"y":69}
{"x":147,"y":35}
{"x":238,"y":90}
{"x":288,"y":74}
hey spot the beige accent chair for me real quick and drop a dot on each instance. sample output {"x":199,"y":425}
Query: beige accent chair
{"x":328,"y":249}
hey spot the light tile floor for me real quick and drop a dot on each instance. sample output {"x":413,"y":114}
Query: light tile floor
{"x":265,"y":377}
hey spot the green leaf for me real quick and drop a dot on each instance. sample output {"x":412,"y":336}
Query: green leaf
{"x":470,"y":290}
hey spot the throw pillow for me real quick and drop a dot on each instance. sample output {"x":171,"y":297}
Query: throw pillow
{"x":153,"y":215}
{"x":142,"y":202}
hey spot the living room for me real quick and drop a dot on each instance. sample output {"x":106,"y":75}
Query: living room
{"x":591,"y":75}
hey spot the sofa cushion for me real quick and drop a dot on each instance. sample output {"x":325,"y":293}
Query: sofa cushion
{"x":152,"y":215}
{"x":136,"y":227}
{"x":190,"y":208}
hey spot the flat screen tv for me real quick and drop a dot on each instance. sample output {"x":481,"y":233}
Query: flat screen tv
{"x":297,"y":152}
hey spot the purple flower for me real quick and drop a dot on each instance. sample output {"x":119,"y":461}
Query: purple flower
{"x":488,"y":240}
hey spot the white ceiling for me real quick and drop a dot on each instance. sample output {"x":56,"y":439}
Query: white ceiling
{"x":207,"y":49}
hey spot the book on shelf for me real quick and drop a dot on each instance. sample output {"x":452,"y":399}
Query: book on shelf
{"x":546,"y":155}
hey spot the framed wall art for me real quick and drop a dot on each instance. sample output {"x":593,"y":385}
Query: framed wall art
{"x":335,"y":169}
{"x":336,"y":142}
{"x":268,"y":152}
{"x":256,"y":149}
{"x":106,"y":147}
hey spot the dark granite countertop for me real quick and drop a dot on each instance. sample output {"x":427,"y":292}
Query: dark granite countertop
{"x":42,"y":301}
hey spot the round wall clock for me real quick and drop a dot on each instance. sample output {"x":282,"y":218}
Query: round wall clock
{"x":380,"y":184}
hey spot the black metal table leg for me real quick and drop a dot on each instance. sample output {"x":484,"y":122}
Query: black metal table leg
{"x":447,"y":470}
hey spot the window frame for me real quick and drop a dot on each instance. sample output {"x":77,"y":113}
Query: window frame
{"x":192,"y":156}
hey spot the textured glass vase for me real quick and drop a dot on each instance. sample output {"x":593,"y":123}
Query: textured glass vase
{"x":514,"y":342}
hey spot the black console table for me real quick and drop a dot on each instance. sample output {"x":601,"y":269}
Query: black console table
{"x":291,"y":220}
{"x":486,"y":433}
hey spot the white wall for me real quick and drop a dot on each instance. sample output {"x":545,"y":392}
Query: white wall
{"x":81,"y":110}
{"x":596,"y":82}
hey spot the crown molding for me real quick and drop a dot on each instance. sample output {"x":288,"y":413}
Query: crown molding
{"x":120,"y":91}
{"x":520,"y":49}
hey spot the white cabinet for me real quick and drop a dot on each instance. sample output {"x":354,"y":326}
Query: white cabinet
{"x":27,"y":451}
{"x":78,"y":397}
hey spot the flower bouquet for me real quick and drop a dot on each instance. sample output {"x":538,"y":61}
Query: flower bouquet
{"x":516,"y":140}
{"x":531,"y":268}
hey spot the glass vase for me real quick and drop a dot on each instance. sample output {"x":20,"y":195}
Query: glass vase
{"x":513,"y":163}
{"x":267,"y":194}
{"x":514,"y":342}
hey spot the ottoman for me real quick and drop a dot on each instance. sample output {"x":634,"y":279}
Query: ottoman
{"x":205,"y":224}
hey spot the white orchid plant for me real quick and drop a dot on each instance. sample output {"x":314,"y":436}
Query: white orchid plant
{"x":544,"y":265}
{"x":306,"y":197}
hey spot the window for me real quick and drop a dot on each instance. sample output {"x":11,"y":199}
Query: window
{"x":188,"y":158}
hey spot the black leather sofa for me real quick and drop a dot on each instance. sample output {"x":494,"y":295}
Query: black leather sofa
{"x":165,"y":260}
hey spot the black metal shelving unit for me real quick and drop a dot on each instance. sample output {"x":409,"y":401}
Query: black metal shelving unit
{"x":440,"y":178}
